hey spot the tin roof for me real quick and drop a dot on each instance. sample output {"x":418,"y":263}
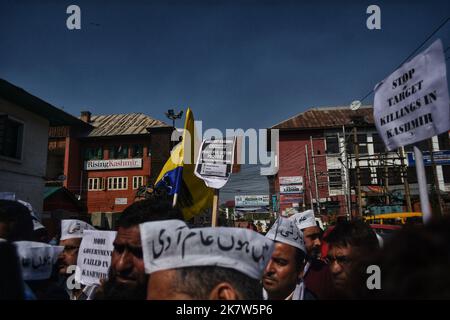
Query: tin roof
{"x":326,"y":117}
{"x":123,"y":124}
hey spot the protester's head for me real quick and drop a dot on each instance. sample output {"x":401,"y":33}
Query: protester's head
{"x":127,"y":278}
{"x":203,"y":283}
{"x":203,"y":263}
{"x":11,"y":284}
{"x":71,"y":236}
{"x":15,"y":221}
{"x":285,"y":268}
{"x":349,"y":242}
{"x":415,"y":263}
{"x":312,"y":234}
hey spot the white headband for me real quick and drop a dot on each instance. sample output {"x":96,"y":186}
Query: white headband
{"x":171,"y":244}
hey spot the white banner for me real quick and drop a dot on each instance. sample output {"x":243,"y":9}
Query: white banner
{"x":94,"y":256}
{"x":113,"y":164}
{"x":412,"y":104}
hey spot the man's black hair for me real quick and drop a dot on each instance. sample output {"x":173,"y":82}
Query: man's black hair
{"x":355,"y":233}
{"x":152,"y":209}
{"x":198,"y":282}
{"x":18,"y":219}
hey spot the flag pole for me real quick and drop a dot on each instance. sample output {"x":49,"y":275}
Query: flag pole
{"x":215,"y":207}
{"x":423,"y":190}
{"x":174,"y":203}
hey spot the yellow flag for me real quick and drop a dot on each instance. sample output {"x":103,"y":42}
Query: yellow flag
{"x":193,"y":196}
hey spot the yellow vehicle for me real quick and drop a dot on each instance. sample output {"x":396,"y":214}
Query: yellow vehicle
{"x":394,"y":218}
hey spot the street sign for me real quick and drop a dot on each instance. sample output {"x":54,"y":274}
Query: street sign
{"x":291,"y":189}
{"x":291,"y":180}
{"x":412,"y":104}
{"x":440,"y":158}
{"x":215,"y":161}
{"x":251,"y":200}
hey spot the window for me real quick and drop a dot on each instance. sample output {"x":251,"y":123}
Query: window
{"x":332,"y":144}
{"x":378,"y":144}
{"x":365,"y":177}
{"x":95,"y":184}
{"x":138,"y":181}
{"x":422,"y":145}
{"x":362,"y":142}
{"x":117,"y":183}
{"x":335,"y":178}
{"x":446,"y":173}
{"x":394,"y":176}
{"x":11,"y":136}
{"x":137,"y":151}
{"x":444,"y":143}
{"x":118,"y":152}
{"x":412,"y":174}
{"x":95,"y":153}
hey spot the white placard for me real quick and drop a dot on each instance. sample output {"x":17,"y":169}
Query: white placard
{"x":412,"y":104}
{"x":94,"y":256}
{"x":36,"y":259}
{"x":215,"y":161}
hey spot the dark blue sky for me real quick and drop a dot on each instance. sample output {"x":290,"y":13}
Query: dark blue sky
{"x":238,"y":64}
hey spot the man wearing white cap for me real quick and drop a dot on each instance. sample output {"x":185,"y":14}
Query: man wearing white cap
{"x":203,"y":263}
{"x":316,"y":274}
{"x":71,"y":236}
{"x":283,"y":275}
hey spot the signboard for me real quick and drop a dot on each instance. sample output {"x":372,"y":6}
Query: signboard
{"x":94,"y":256}
{"x":215,"y":161}
{"x":251,"y":201}
{"x":291,"y":180}
{"x":113,"y":164}
{"x":412,"y":104}
{"x":121,"y":201}
{"x":288,"y":199}
{"x":440,"y":158}
{"x":298,"y":188}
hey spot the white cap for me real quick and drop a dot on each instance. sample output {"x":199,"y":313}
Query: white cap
{"x":74,"y":229}
{"x":37,"y":259}
{"x":36,"y":223}
{"x":171,"y":244}
{"x":284,"y":230}
{"x":304,"y":219}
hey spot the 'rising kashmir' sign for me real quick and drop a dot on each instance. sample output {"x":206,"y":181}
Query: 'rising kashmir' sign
{"x":412,"y":104}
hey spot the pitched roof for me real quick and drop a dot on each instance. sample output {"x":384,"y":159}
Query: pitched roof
{"x":123,"y":124}
{"x":326,"y":117}
{"x":55,"y":116}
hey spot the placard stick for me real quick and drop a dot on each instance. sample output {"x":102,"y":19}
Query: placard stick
{"x":215,"y":207}
{"x":423,"y":190}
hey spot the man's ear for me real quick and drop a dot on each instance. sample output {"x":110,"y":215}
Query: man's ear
{"x":223,"y":291}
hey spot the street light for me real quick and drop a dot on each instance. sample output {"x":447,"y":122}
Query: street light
{"x":173,"y":116}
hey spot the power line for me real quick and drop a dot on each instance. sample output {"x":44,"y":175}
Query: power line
{"x":420,"y":46}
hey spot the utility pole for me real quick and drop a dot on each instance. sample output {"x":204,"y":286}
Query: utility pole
{"x":347,"y":176}
{"x":309,"y":177}
{"x":358,"y":173}
{"x":315,"y":176}
{"x":405,"y":180}
{"x":386,"y":179}
{"x":436,"y":180}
